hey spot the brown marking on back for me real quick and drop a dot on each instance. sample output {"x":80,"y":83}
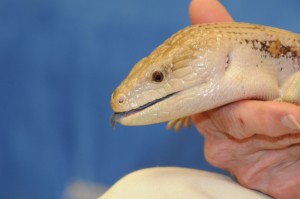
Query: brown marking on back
{"x":276,"y":49}
{"x":295,"y":49}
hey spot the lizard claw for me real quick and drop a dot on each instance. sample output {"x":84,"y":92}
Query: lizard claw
{"x":177,"y":123}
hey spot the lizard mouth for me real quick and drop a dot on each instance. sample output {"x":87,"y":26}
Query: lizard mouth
{"x":118,"y":115}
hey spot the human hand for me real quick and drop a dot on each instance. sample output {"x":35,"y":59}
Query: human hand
{"x":255,"y":141}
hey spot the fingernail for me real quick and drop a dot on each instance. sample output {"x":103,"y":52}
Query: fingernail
{"x":290,"y":122}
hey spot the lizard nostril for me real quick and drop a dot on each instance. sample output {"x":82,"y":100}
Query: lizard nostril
{"x":118,"y":102}
{"x":120,"y":98}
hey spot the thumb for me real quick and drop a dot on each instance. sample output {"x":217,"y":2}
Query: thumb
{"x":207,"y":11}
{"x":247,"y":118}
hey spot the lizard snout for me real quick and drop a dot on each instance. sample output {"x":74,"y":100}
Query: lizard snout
{"x":117,"y":101}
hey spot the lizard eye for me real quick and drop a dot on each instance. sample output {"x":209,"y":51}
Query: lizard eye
{"x":157,"y":76}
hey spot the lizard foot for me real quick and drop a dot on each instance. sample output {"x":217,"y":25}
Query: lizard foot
{"x":177,"y":123}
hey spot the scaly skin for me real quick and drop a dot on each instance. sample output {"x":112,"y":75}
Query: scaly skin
{"x":207,"y":66}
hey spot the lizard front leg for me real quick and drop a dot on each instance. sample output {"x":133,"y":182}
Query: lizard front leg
{"x":177,"y":123}
{"x":291,"y":89}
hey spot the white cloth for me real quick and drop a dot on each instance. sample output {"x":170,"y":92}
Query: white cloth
{"x":178,"y":183}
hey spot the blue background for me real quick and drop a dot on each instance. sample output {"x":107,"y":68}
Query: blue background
{"x":60,"y":60}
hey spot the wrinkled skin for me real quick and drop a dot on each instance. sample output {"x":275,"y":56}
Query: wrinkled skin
{"x":250,"y":139}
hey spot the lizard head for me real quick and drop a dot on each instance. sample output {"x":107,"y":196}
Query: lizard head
{"x":156,"y":89}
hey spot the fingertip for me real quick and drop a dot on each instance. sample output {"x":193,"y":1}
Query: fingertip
{"x":290,"y":122}
{"x":198,"y":119}
{"x":207,"y":11}
{"x":264,"y":117}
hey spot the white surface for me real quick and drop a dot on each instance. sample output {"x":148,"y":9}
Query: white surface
{"x":178,"y":183}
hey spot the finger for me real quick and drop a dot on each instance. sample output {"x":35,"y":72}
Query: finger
{"x":247,"y":118}
{"x":206,"y":11}
{"x":256,"y":171}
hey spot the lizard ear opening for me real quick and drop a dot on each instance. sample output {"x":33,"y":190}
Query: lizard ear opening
{"x":228,"y":61}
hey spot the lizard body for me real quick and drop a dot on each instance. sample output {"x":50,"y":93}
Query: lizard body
{"x":206,"y":66}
